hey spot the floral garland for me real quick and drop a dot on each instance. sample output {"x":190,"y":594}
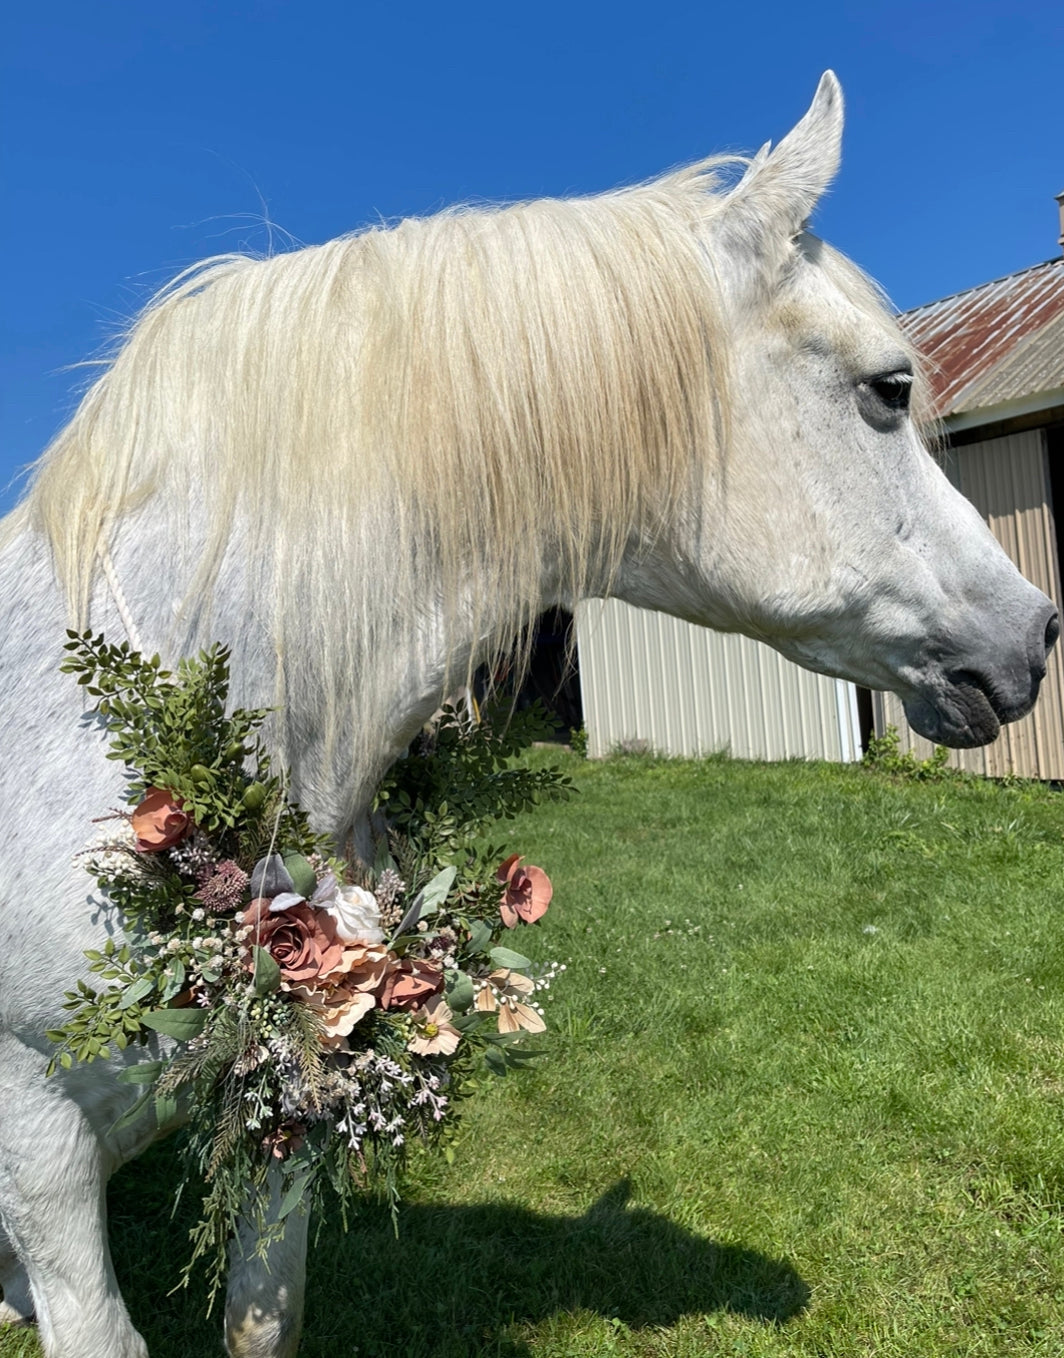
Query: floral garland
{"x":325,"y":1016}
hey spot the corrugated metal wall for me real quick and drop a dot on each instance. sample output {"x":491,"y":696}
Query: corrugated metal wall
{"x":1007,"y":479}
{"x":685,"y":690}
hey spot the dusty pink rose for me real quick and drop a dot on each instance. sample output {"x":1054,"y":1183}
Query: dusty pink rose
{"x":410,"y":984}
{"x":528,"y":892}
{"x":284,"y":1141}
{"x":301,"y":940}
{"x":158,"y":821}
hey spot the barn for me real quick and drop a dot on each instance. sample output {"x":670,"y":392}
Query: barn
{"x":996,"y":357}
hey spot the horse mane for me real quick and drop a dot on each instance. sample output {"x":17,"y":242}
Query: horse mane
{"x":485,"y":400}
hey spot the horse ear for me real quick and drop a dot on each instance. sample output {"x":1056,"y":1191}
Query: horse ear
{"x":781,"y":188}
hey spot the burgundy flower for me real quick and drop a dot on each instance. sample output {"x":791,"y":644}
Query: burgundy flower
{"x":222,"y":891}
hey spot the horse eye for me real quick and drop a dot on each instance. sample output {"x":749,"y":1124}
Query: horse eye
{"x":894,"y":389}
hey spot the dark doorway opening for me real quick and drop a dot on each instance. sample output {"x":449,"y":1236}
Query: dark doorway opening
{"x":552,"y":676}
{"x":1055,"y":471}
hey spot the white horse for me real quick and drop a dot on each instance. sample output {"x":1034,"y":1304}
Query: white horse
{"x":366,"y":466}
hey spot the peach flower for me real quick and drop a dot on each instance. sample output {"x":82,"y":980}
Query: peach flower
{"x":435,"y":1033}
{"x":504,"y":993}
{"x":158,"y":821}
{"x":339,"y":1010}
{"x":301,"y":940}
{"x":528,"y":892}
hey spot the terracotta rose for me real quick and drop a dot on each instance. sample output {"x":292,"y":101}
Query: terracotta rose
{"x":158,"y":821}
{"x":410,"y":984}
{"x":528,"y":892}
{"x":301,"y":940}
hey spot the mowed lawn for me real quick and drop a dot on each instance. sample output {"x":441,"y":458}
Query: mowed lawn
{"x":803,"y":1095}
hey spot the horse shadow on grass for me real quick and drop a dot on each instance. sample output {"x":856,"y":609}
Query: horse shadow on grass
{"x":462,"y":1282}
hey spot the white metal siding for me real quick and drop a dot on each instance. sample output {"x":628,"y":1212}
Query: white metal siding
{"x":685,"y":690}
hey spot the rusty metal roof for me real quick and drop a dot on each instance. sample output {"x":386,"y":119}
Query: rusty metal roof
{"x":997,"y":343}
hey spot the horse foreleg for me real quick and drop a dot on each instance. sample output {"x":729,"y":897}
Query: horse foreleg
{"x":264,"y":1301}
{"x":53,"y":1205}
{"x":16,"y":1308}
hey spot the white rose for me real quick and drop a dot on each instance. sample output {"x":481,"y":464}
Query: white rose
{"x":356,"y":914}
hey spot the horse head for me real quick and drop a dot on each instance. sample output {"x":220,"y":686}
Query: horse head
{"x":821,"y":524}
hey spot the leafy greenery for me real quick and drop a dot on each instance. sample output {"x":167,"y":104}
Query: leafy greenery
{"x":172,"y":730}
{"x":454,"y":782}
{"x":885,"y":756}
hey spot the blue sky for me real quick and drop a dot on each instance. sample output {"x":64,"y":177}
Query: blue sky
{"x":139,"y":137}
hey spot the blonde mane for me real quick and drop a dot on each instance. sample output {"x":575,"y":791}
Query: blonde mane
{"x":487,"y":400}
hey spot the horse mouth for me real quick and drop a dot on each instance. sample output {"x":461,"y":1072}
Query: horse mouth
{"x":969,"y":710}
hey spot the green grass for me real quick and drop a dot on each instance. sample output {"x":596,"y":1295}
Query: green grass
{"x":804,"y":1095}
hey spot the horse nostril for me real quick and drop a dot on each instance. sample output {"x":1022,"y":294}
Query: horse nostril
{"x":1052,"y":632}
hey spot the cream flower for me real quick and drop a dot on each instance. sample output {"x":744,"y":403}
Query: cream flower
{"x":504,"y":993}
{"x":435,"y":1036}
{"x":356,"y":914}
{"x":339,"y":1010}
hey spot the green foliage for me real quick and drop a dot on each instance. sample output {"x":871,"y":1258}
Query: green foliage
{"x":172,"y":731}
{"x":461,"y":775}
{"x":884,"y":756}
{"x":106,"y":1018}
{"x":457,"y":780}
{"x":804,"y":1096}
{"x":578,"y":741}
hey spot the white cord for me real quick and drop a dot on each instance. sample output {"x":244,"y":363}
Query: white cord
{"x":119,"y":598}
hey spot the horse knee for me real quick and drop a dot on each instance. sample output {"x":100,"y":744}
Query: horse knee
{"x":272,"y":1330}
{"x":264,"y":1301}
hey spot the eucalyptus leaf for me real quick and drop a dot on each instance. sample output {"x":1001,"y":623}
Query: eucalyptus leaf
{"x":296,"y":1193}
{"x":267,"y":975}
{"x":459,"y":991}
{"x":143,"y":1073}
{"x":434,"y":893}
{"x":132,"y":1112}
{"x":512,"y":961}
{"x":137,"y":991}
{"x":495,"y":1061}
{"x":175,"y":981}
{"x":428,"y":900}
{"x":184,"y":1024}
{"x":479,"y":936}
{"x":304,"y":878}
{"x":382,"y":858}
{"x":165,"y":1110}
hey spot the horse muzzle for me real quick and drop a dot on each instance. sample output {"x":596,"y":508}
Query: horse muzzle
{"x":967,"y":703}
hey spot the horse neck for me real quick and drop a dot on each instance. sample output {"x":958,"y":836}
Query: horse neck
{"x":335,"y":736}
